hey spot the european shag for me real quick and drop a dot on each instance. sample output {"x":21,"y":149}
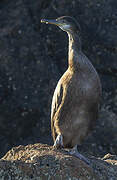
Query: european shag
{"x":76,"y":99}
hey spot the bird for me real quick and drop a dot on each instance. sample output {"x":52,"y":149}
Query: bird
{"x":77,"y":96}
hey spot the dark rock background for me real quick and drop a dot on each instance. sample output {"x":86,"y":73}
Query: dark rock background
{"x":33,"y":56}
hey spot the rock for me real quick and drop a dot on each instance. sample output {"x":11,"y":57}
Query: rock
{"x":42,"y":162}
{"x":103,"y":139}
{"x":33,"y":57}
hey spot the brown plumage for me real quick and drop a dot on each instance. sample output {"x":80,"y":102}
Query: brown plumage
{"x":77,"y":95}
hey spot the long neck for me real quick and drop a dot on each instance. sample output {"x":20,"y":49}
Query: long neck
{"x":74,"y":49}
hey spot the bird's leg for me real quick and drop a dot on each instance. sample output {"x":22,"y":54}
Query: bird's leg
{"x":74,"y":152}
{"x":58,"y":142}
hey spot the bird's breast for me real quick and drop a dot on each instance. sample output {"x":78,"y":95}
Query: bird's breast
{"x":79,"y":85}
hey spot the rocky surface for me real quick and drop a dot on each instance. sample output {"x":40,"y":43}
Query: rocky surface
{"x":42,"y":162}
{"x":33,"y":57}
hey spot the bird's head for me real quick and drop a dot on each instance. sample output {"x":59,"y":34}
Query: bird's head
{"x":66,"y":23}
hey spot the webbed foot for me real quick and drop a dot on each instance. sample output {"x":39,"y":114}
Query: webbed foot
{"x":58,"y":142}
{"x":74,"y":152}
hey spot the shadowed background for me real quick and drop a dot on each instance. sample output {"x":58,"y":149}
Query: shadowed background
{"x":33,"y":56}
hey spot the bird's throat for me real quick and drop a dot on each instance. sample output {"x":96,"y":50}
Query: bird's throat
{"x":74,"y":49}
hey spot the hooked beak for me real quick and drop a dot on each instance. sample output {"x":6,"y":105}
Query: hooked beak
{"x":50,"y":21}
